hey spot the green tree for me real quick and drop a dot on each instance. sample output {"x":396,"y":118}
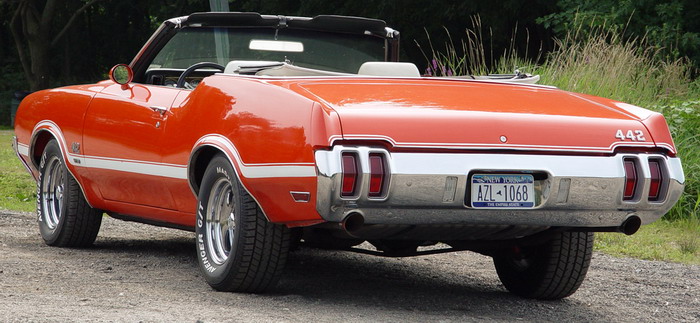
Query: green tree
{"x":670,"y":26}
{"x":33,"y":28}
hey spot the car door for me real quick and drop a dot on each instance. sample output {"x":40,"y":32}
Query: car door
{"x":123,"y":144}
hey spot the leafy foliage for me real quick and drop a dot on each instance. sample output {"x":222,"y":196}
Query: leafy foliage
{"x":670,"y":26}
{"x":684,"y":121}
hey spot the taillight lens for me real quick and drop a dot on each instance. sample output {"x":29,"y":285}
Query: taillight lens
{"x":350,"y":171}
{"x":656,"y":180}
{"x":630,"y":180}
{"x":377,"y":174}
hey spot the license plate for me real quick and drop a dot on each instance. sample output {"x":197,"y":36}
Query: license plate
{"x":503,"y":191}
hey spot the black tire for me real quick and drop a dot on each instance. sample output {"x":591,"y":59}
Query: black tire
{"x":242,"y":251}
{"x":65,"y":218}
{"x":550,"y":271}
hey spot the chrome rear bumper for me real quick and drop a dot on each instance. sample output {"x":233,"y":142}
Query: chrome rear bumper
{"x":433,"y":188}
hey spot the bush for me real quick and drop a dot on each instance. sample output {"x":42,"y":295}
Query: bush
{"x":684,"y":121}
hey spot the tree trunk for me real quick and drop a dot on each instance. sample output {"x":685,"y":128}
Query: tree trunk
{"x":32,"y":30}
{"x":40,"y":60}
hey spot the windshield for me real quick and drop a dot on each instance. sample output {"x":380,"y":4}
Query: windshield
{"x":336,"y":52}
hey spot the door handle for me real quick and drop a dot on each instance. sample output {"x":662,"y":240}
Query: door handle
{"x":159,"y":109}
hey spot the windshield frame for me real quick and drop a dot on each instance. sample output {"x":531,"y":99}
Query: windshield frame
{"x":331,"y":24}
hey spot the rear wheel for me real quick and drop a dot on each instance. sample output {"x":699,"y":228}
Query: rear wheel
{"x":237,"y":248}
{"x":65,"y":217}
{"x":553,"y":270}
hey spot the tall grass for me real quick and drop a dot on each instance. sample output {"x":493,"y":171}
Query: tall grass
{"x":684,"y":121}
{"x":600,"y":62}
{"x":471,"y":56}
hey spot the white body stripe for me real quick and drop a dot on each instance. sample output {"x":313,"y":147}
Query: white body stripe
{"x":278,"y":171}
{"x":130,"y":166}
{"x":271,"y":170}
{"x":23,"y":149}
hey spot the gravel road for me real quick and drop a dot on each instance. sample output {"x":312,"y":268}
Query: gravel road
{"x":137,"y":273}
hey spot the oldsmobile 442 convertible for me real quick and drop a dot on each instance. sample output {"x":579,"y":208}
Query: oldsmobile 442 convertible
{"x":257,"y":132}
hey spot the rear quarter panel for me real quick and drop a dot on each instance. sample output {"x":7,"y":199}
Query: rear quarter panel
{"x":270,"y":133}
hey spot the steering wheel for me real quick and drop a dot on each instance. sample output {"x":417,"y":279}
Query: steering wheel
{"x":189,"y":70}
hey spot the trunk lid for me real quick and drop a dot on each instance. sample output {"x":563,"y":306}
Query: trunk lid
{"x":433,"y":113}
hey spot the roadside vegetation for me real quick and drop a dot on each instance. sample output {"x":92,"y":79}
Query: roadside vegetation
{"x":596,"y":60}
{"x":17,"y":188}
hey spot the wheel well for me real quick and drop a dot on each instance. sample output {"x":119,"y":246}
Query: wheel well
{"x":198,"y":165}
{"x":40,"y":140}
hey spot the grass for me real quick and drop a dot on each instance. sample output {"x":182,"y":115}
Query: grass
{"x":17,"y":187}
{"x":674,"y":241}
{"x":684,"y":121}
{"x":603,"y":64}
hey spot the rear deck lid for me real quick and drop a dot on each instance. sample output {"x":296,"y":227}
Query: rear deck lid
{"x":430,"y":113}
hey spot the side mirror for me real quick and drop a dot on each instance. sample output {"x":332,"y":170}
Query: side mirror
{"x":121,"y":74}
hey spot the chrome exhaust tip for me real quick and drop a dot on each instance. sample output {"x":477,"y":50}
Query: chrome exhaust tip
{"x":353,"y":222}
{"x":631,"y":225}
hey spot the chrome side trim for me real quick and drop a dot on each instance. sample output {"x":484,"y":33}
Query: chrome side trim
{"x":419,"y":182}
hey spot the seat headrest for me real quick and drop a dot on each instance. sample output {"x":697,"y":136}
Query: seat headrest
{"x":389,"y":69}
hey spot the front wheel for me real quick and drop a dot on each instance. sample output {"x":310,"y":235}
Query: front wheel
{"x":65,"y":217}
{"x":238,"y":249}
{"x":553,"y":270}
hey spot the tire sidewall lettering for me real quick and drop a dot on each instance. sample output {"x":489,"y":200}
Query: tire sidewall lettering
{"x":222,"y":171}
{"x":52,"y":150}
{"x":39,"y":182}
{"x":211,"y":270}
{"x":39,"y":212}
{"x":200,"y":216}
{"x":202,"y":246}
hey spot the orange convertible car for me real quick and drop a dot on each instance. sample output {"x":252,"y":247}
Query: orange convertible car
{"x":257,"y":132}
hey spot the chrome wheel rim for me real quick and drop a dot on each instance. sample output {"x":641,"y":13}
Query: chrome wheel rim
{"x":220,"y":221}
{"x":52,"y":190}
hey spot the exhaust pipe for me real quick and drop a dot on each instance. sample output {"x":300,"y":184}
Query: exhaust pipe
{"x":630,"y":226}
{"x":353,"y":222}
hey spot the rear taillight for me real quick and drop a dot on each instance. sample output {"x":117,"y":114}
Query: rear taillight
{"x":657,"y":178}
{"x":377,"y":175}
{"x":630,"y":179}
{"x":350,"y":172}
